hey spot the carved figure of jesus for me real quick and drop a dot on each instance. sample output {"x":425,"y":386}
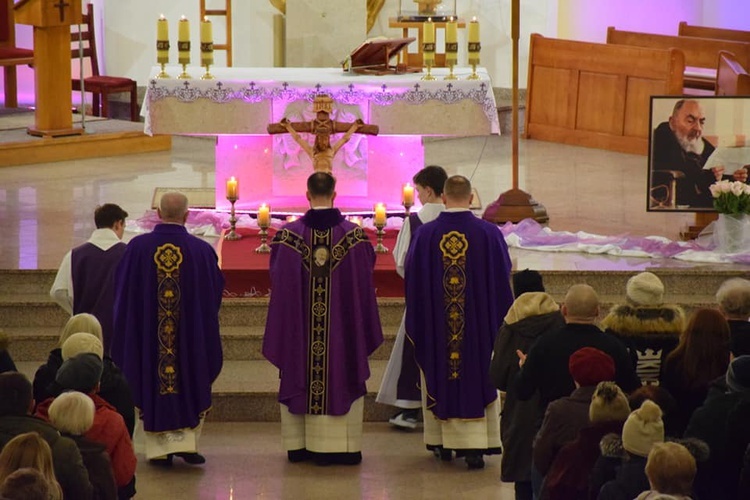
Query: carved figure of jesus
{"x":322,"y":152}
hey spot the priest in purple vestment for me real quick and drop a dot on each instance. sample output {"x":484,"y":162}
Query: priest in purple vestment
{"x":457,"y":294}
{"x":167,"y":343}
{"x":322,"y":325}
{"x":85,"y":280}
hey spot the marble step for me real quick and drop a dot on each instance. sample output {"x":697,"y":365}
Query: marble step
{"x":239,"y":342}
{"x":247,"y":391}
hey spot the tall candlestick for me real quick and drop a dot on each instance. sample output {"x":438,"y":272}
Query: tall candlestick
{"x":474,"y":47}
{"x":451,"y":39}
{"x":380,"y":216}
{"x":428,"y":41}
{"x":183,"y":41}
{"x":264,"y":215}
{"x":233,"y":188}
{"x":207,"y":42}
{"x":162,"y":40}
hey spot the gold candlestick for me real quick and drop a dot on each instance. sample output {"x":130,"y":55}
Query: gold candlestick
{"x":207,"y":75}
{"x":428,"y":64}
{"x":473,"y":75}
{"x":407,"y":207}
{"x":263,"y":248}
{"x":232,"y":234}
{"x":380,"y":248}
{"x":184,"y":75}
{"x":451,"y":76}
{"x":162,"y":73}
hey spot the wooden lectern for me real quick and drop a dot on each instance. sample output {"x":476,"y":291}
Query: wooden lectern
{"x":51,"y":20}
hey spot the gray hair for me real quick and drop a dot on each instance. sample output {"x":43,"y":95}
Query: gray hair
{"x":173,"y":206}
{"x":72,"y":413}
{"x":733,"y":296}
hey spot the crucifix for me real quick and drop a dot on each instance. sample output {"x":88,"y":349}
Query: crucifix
{"x":61,"y":6}
{"x":322,"y":152}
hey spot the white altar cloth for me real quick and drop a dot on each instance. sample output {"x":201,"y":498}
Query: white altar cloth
{"x":245,"y":100}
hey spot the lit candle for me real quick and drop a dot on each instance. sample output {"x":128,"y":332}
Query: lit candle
{"x":264,"y":215}
{"x":183,"y":41}
{"x":474,"y":45}
{"x":356,"y":219}
{"x":207,"y":42}
{"x":407,"y":197}
{"x":428,"y":41}
{"x":233,"y":188}
{"x":162,"y":40}
{"x":451,"y":41}
{"x":380,"y":217}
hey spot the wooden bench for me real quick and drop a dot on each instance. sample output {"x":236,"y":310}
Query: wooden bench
{"x":700,"y":53}
{"x":686,"y":29}
{"x":597,"y":95}
{"x":731,"y":77}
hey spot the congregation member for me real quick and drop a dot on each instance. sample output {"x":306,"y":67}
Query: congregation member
{"x":82,"y":373}
{"x":545,"y":366}
{"x":531,"y":315}
{"x":649,"y":328}
{"x":27,"y":483}
{"x":701,"y":356}
{"x":661,"y":397}
{"x":72,"y":413}
{"x":83,"y":333}
{"x":16,"y":403}
{"x":733,"y":297}
{"x":6,"y":361}
{"x":30,"y":450}
{"x":568,"y":477}
{"x":85,"y":280}
{"x":457,"y":277}
{"x":670,"y":470}
{"x":168,"y":290}
{"x":400,"y":384}
{"x":322,"y":325}
{"x":565,"y":417}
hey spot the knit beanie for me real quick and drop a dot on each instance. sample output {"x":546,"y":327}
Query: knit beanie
{"x":738,"y":374}
{"x":80,"y":373}
{"x":527,"y":280}
{"x":609,"y":403}
{"x":82,"y":342}
{"x":645,"y":289}
{"x":642,"y":429}
{"x":588,"y":366}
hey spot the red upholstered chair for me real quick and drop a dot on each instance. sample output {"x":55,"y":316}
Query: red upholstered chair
{"x":100,"y":86}
{"x":10,"y":55}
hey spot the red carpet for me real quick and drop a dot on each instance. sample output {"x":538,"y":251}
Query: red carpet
{"x":246,"y":272}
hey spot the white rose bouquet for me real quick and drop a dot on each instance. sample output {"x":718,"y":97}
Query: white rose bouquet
{"x":731,"y":197}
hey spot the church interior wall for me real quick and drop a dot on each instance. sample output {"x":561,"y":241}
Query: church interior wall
{"x":129,"y":29}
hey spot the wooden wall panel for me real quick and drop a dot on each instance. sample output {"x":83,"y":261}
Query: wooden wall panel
{"x":598,"y":92}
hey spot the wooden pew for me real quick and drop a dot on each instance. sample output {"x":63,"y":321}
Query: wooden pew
{"x":686,"y":29}
{"x":597,"y":95}
{"x":700,"y":53}
{"x":731,"y":77}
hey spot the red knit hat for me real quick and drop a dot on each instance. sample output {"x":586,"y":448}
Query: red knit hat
{"x":589,"y":366}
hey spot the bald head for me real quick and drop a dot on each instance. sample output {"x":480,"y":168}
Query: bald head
{"x":457,"y":192}
{"x":173,"y":207}
{"x":581,"y":305}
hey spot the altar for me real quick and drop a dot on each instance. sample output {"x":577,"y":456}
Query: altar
{"x":239,"y":104}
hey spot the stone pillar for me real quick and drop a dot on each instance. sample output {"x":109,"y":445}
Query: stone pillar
{"x":321,"y":33}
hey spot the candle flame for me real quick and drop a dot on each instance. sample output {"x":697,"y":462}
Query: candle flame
{"x":205,"y":19}
{"x":232,"y":179}
{"x":451,"y":19}
{"x":429,"y":19}
{"x":183,"y":18}
{"x":474,"y":19}
{"x":161,"y":17}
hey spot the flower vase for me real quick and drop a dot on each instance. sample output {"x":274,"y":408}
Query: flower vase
{"x":732,"y":233}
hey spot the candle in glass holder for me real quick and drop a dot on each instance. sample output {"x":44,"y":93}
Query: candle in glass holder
{"x":183,"y":41}
{"x":233,"y":188}
{"x":207,"y":42}
{"x":162,"y":40}
{"x":264,"y":215}
{"x":428,"y":41}
{"x":451,"y":41}
{"x":379,"y":217}
{"x":474,"y":44}
{"x":407,"y":196}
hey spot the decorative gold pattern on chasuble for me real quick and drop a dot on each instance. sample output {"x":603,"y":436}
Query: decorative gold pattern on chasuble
{"x":168,"y":259}
{"x":295,"y":242}
{"x":320,"y":295}
{"x":350,"y":239}
{"x":454,"y":245}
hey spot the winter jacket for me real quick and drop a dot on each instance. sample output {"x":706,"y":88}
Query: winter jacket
{"x":6,"y":362}
{"x":99,"y":467}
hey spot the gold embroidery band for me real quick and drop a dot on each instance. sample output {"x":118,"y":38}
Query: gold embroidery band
{"x":320,"y":296}
{"x":349,"y":240}
{"x":454,"y":245}
{"x":295,"y":242}
{"x":168,"y":259}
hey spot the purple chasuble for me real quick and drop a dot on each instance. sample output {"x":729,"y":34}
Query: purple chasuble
{"x":168,"y":290}
{"x":323,"y":318}
{"x":93,"y":273}
{"x":457,"y":294}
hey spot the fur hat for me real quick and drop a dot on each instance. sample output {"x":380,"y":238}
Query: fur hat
{"x":589,"y":366}
{"x":82,"y":342}
{"x":608,"y":403}
{"x":645,"y":289}
{"x":80,"y":373}
{"x":738,"y":374}
{"x":527,"y":280}
{"x":642,"y":429}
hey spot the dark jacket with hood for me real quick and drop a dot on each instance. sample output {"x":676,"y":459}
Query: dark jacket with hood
{"x":6,"y":362}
